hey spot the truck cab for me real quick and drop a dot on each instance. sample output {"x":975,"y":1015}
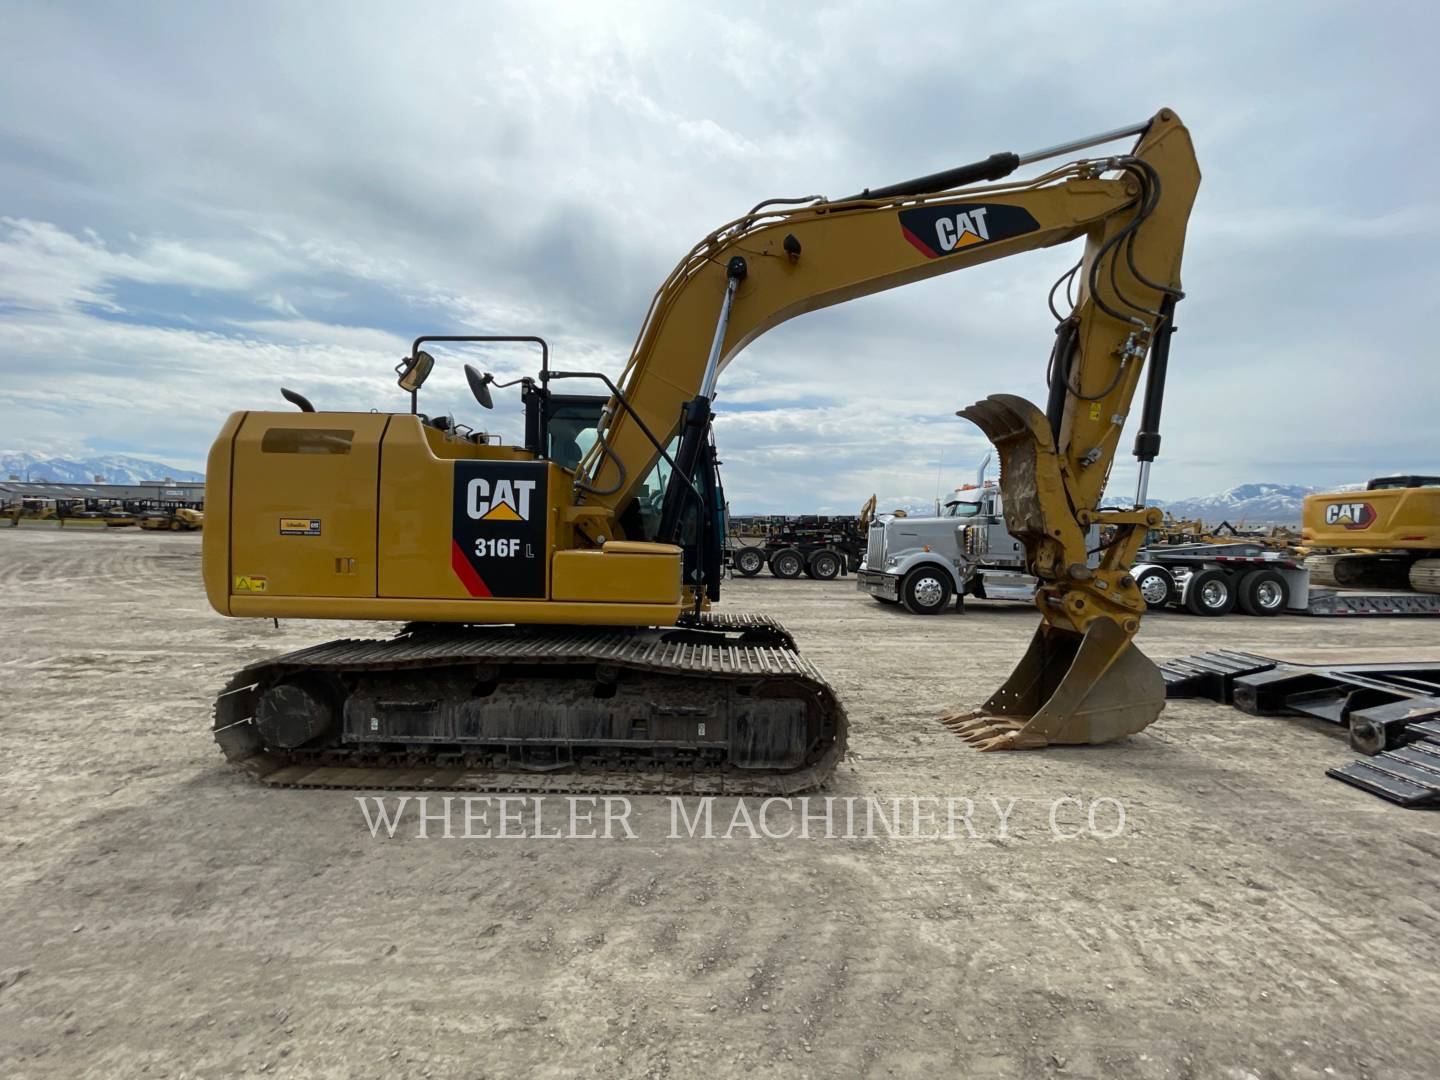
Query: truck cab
{"x":922,"y":562}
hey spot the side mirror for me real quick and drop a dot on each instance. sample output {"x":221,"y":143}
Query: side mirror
{"x":480,"y":386}
{"x":414,"y":370}
{"x":300,"y":401}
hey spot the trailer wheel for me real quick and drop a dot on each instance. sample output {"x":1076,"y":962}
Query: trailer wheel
{"x":1263,"y":592}
{"x":786,"y":563}
{"x":824,"y":565}
{"x":1211,"y":592}
{"x":1156,"y":586}
{"x":926,"y":591}
{"x":749,"y":561}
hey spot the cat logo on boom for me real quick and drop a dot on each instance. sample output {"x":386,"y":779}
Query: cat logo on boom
{"x":964,"y":228}
{"x":937,"y":231}
{"x":1352,"y":515}
{"x":505,"y":500}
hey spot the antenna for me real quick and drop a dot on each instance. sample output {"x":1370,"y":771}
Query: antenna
{"x":939,"y":472}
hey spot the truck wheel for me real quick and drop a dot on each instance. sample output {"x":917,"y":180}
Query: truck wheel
{"x":926,"y":591}
{"x":1156,"y":586}
{"x":786,"y":563}
{"x":824,"y":565}
{"x":1263,"y":592}
{"x":749,"y":561}
{"x":1211,"y":592}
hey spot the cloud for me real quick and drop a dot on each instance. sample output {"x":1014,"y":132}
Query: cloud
{"x":44,"y":268}
{"x":291,"y":197}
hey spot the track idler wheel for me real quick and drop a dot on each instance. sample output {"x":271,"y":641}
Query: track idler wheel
{"x":1068,"y":689}
{"x":289,"y":715}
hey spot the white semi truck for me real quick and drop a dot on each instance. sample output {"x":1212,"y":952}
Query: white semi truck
{"x":923,"y":563}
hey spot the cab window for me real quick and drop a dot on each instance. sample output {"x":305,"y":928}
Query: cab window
{"x":962,"y":509}
{"x":572,"y":431}
{"x":651,"y":497}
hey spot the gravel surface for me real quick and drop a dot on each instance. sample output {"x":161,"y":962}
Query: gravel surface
{"x":164,"y":916}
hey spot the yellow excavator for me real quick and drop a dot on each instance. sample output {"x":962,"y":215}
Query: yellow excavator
{"x":556,"y":593}
{"x":1385,"y":537}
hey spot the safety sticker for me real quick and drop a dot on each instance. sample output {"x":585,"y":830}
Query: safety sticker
{"x":250,"y":583}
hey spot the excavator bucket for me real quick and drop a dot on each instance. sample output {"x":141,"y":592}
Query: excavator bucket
{"x":1068,"y":689}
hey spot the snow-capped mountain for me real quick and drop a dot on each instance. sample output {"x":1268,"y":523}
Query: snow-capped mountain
{"x":1253,"y":504}
{"x":115,"y":468}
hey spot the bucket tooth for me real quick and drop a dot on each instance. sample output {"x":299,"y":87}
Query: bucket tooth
{"x":1068,"y":689}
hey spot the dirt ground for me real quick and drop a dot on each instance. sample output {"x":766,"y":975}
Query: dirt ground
{"x":164,"y":916}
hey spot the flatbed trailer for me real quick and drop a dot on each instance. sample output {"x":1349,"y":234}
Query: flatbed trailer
{"x":818,"y":547}
{"x":1216,"y":579}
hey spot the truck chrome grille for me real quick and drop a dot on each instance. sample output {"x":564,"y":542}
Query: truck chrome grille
{"x":875,"y":547}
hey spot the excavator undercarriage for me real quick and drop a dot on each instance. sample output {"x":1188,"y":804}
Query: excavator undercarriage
{"x":717,"y":706}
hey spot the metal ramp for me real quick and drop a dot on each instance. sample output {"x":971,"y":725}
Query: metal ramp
{"x":1210,"y":675}
{"x":1408,"y":776}
{"x":1331,"y":602}
{"x":1392,"y":712}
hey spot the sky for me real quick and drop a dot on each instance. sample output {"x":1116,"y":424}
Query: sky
{"x":201,"y":202}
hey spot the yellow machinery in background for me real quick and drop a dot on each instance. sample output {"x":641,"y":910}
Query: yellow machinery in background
{"x":557,"y":591}
{"x":178,"y":519}
{"x":1387,"y":536}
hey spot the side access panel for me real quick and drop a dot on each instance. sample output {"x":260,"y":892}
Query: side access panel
{"x":302,"y":504}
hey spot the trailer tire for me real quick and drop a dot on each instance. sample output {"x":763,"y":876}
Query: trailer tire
{"x":749,"y":561}
{"x":1263,"y":592}
{"x":926,"y":591}
{"x":824,"y":565}
{"x":787,"y":563}
{"x":1157,"y":587}
{"x":1211,"y":592}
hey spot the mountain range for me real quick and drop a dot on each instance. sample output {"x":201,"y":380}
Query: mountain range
{"x":114,"y":468}
{"x":1252,"y":504}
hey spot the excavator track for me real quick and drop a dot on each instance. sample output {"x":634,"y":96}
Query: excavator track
{"x":721,"y":704}
{"x":1359,"y":570}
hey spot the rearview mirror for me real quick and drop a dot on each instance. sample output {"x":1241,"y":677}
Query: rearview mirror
{"x":480,"y":386}
{"x":414,"y":370}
